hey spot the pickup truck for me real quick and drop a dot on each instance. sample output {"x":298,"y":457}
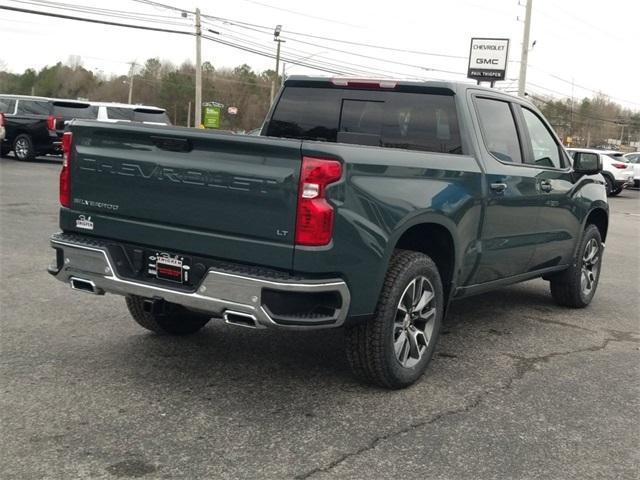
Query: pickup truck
{"x":367,"y":205}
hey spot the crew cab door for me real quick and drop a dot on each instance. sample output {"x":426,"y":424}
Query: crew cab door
{"x":559,"y":221}
{"x":512,"y":197}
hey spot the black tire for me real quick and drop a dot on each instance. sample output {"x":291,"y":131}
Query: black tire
{"x":175,"y":320}
{"x":615,"y":191}
{"x":23,"y":148}
{"x":4,"y":151}
{"x":567,"y":287}
{"x":609,"y":185}
{"x":370,"y":346}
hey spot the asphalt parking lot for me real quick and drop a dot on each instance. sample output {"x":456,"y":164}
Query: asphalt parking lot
{"x":519,"y":388}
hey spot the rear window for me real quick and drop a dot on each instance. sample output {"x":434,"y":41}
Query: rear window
{"x":7,"y":105}
{"x":74,"y":110}
{"x":119,"y":113}
{"x":150,"y":115}
{"x":392,"y":119}
{"x":34,"y":107}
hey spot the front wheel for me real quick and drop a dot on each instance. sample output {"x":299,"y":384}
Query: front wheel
{"x":175,"y":320}
{"x":576,"y":286}
{"x":394,"y":348}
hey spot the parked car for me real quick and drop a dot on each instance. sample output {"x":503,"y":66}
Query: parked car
{"x":117,"y":112}
{"x":634,"y":161}
{"x":34,"y":125}
{"x":617,"y":173}
{"x":3,"y":131}
{"x":367,"y":205}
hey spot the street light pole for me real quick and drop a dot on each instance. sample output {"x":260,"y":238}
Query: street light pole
{"x":198,"y":103}
{"x":276,"y":38}
{"x":524,"y":57}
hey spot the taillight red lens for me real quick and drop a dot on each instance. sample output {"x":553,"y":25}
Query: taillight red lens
{"x":2,"y":120}
{"x":65,"y":173}
{"x":51,"y":122}
{"x":314,"y":219}
{"x":621,"y":166}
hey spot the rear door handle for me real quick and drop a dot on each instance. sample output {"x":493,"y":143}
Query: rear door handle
{"x":545,"y":186}
{"x":498,"y":187}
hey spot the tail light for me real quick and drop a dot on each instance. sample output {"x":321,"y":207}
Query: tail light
{"x":65,"y":173}
{"x":314,"y":218}
{"x":2,"y":120}
{"x":621,"y":166}
{"x":52,"y":121}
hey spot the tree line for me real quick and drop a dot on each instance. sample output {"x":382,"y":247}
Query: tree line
{"x":158,"y":83}
{"x":580,"y":122}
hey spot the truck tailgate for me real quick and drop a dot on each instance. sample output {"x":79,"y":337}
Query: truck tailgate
{"x":214,"y":194}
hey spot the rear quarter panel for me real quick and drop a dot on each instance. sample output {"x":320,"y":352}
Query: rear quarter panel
{"x":383,"y":193}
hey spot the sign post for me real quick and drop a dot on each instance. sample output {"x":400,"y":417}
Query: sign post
{"x":488,"y":59}
{"x":212,"y":114}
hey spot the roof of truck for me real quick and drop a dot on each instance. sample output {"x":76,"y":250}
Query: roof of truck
{"x":456,"y":87}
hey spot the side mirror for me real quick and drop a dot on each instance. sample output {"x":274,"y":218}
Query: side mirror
{"x":587,"y":163}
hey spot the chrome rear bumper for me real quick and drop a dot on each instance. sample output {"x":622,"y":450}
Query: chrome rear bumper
{"x":238,"y":298}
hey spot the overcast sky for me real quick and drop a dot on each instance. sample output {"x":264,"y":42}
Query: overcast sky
{"x":593,"y":44}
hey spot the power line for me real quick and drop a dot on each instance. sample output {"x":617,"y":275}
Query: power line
{"x":90,"y":20}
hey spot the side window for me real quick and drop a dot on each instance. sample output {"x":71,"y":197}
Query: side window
{"x":7,"y":105}
{"x":546,"y":152}
{"x":499,"y":129}
{"x":33,"y":107}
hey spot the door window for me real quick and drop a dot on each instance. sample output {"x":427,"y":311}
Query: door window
{"x":546,"y":152}
{"x":7,"y":105}
{"x":499,"y":129}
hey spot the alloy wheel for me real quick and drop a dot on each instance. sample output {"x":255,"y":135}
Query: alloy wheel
{"x":21,"y":148}
{"x":590,"y":266}
{"x":414,"y":322}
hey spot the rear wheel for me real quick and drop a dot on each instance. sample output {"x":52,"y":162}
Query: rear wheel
{"x":576,"y":286}
{"x":23,"y":148}
{"x":394,"y":348}
{"x":175,"y":319}
{"x":615,"y":191}
{"x":609,"y":185}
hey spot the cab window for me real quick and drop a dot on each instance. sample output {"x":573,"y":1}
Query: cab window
{"x":546,"y":152}
{"x":499,"y":129}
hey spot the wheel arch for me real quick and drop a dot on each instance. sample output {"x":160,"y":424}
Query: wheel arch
{"x":599,"y":217}
{"x":434,"y":237}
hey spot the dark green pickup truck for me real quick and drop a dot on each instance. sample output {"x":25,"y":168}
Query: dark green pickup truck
{"x":368,"y":205}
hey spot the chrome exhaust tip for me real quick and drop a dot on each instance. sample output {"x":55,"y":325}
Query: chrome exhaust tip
{"x":84,"y":285}
{"x":240,"y":319}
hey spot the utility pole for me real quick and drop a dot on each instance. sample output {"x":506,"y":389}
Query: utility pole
{"x":522,"y":80}
{"x":131,"y":70}
{"x":198,"y":105}
{"x":276,"y":38}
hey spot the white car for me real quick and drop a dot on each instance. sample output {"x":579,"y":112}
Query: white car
{"x":124,"y":112}
{"x":617,"y":173}
{"x":634,"y":160}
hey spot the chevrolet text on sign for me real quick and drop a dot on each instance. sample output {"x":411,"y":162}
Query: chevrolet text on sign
{"x":488,"y":59}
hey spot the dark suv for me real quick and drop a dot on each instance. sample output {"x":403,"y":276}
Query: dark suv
{"x":34,"y":125}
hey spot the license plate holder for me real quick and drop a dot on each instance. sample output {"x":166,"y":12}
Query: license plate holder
{"x":169,"y":267}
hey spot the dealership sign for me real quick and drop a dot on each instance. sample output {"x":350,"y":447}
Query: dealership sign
{"x":488,"y":59}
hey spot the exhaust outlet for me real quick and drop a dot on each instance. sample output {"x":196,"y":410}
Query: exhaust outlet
{"x":84,"y":285}
{"x":240,"y":319}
